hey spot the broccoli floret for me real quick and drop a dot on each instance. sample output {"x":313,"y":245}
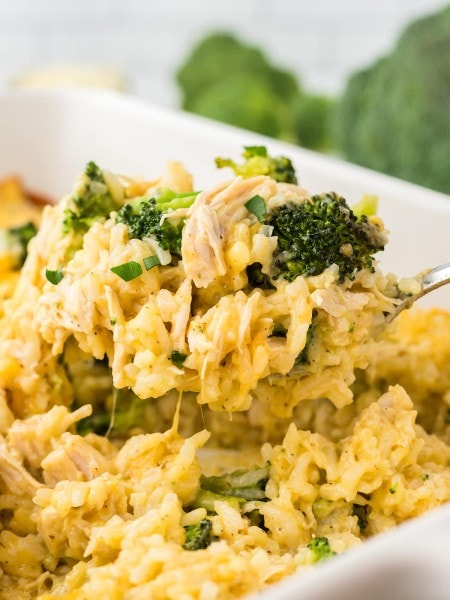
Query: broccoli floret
{"x":258,"y":279}
{"x":314,"y":116}
{"x":226,"y":79}
{"x":92,"y":202}
{"x":231,"y":81}
{"x":235,"y":488}
{"x":94,"y":172}
{"x":302,"y":358}
{"x":393,"y":116}
{"x":15,"y":241}
{"x":198,"y":536}
{"x":257,"y":161}
{"x":320,"y":548}
{"x":143,"y":217}
{"x":247,"y":103}
{"x":320,"y":232}
{"x":220,"y":55}
{"x":129,"y":412}
{"x":361,"y":512}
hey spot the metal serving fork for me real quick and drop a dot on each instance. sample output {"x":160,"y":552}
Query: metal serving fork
{"x":430,"y":280}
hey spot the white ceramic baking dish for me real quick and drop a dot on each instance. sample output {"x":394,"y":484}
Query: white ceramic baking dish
{"x":48,"y":137}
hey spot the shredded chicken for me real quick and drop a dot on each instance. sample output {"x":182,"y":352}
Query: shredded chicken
{"x":74,"y":456}
{"x":15,"y":476}
{"x":32,"y":439}
{"x":208,"y":223}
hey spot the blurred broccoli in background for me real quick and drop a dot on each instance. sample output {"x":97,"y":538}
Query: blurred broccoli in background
{"x":226,"y":79}
{"x":394,"y":116}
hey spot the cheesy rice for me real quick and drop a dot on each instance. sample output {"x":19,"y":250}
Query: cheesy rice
{"x":125,"y":401}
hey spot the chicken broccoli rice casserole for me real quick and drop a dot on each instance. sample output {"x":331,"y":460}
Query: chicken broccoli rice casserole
{"x":199,"y":394}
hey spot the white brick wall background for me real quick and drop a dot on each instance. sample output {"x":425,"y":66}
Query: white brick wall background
{"x":322,"y":41}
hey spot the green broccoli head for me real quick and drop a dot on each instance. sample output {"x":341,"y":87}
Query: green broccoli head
{"x":393,"y":116}
{"x":92,"y":202}
{"x":320,"y":232}
{"x":144,"y":218}
{"x":231,"y":81}
{"x":257,"y":161}
{"x":246,"y":102}
{"x":221,"y":55}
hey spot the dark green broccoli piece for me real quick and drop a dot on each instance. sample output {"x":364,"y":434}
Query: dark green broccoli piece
{"x":258,"y":279}
{"x":129,"y":412}
{"x":143,"y":218}
{"x":320,"y":548}
{"x":361,"y":512}
{"x":94,"y":172}
{"x":235,"y":488}
{"x":320,"y":232}
{"x":198,"y":536}
{"x":314,"y":118}
{"x":16,"y":239}
{"x":178,"y":358}
{"x":393,"y":116}
{"x":248,"y":484}
{"x":93,"y":203}
{"x":97,"y":423}
{"x":447,"y":417}
{"x":257,"y":161}
{"x":302,"y":358}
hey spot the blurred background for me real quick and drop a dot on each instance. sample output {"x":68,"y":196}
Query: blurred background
{"x":311,"y":73}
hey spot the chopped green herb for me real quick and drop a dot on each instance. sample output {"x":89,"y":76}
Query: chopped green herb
{"x":128,"y":271}
{"x":54,"y":276}
{"x":112,"y":321}
{"x":447,"y":417}
{"x":257,"y":207}
{"x":393,"y":488}
{"x":425,"y":476}
{"x":178,"y":358}
{"x":151,"y":261}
